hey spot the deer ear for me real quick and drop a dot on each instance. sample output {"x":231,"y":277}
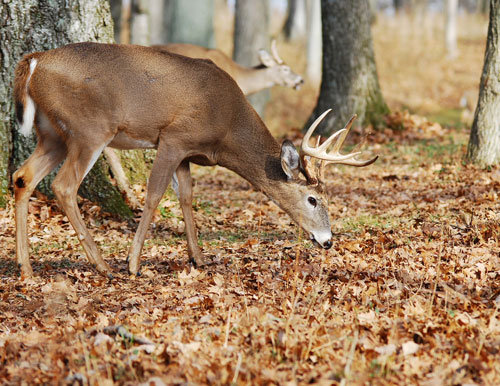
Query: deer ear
{"x":290,"y":160}
{"x":266,"y":59}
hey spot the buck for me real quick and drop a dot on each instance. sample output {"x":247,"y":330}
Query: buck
{"x":273,"y":70}
{"x":86,"y":96}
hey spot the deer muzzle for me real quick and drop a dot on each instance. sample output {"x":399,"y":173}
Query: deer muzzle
{"x":322,"y":239}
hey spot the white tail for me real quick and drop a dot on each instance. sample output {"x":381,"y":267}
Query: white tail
{"x":89,"y":95}
{"x":272,"y":71}
{"x":28,"y":115}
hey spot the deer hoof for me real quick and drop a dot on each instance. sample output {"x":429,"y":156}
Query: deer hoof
{"x":136,"y":273}
{"x":199,"y":262}
{"x":26,"y":273}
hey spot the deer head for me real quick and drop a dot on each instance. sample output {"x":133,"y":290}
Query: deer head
{"x":303,"y":195}
{"x":277,"y":69}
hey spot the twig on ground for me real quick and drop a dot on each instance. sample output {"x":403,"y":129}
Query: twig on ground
{"x":347,"y":368}
{"x":122,"y":331}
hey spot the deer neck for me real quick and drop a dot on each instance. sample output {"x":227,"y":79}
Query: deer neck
{"x":252,"y":80}
{"x":253,"y":153}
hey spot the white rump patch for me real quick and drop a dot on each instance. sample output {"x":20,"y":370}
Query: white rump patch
{"x":29,"y":107}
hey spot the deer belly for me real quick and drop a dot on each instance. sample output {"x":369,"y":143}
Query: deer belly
{"x":124,"y":141}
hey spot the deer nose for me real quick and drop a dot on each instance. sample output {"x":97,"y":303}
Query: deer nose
{"x":327,"y":244}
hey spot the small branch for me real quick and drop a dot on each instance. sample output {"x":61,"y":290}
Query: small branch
{"x":347,"y":368}
{"x":490,"y":328}
{"x":120,"y":177}
{"x":122,"y":331}
{"x":237,"y":370}
{"x":227,"y":326}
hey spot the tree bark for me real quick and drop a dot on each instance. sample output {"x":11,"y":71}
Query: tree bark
{"x":33,"y":25}
{"x":349,"y":81}
{"x":484,"y":142}
{"x":251,"y":33}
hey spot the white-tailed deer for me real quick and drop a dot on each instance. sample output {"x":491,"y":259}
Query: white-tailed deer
{"x":86,"y":96}
{"x":272,"y":72}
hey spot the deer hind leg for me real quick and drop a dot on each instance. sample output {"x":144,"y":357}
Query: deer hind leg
{"x":49,"y":152}
{"x":166,"y":162}
{"x":65,"y":186}
{"x":186,"y":201}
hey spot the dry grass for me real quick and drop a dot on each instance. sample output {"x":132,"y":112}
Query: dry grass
{"x":413,"y":69}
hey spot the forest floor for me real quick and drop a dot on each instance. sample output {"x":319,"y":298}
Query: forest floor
{"x":408,"y":294}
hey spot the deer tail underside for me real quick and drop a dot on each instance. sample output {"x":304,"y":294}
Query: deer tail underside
{"x":25,"y":107}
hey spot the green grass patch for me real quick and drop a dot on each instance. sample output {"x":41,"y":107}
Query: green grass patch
{"x":447,"y":117}
{"x":369,"y":221}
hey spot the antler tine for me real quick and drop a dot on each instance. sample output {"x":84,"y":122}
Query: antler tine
{"x":333,"y":156}
{"x":345,"y":131}
{"x":274,"y":51}
{"x":305,"y":149}
{"x":320,"y":152}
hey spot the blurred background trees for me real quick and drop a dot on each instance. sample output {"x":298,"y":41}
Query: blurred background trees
{"x":251,"y":33}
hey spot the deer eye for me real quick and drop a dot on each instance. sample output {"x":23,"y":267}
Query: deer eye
{"x":312,"y":201}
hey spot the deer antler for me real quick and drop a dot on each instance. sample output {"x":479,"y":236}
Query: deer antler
{"x":274,"y":51}
{"x":334,"y":156}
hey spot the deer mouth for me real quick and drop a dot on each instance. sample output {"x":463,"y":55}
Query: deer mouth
{"x":326,"y":245}
{"x":298,"y":84}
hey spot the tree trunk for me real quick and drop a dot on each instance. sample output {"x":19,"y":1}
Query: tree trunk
{"x":157,"y":13}
{"x":139,"y":23}
{"x":350,"y":82}
{"x":314,"y":46}
{"x":191,"y":21}
{"x":398,"y":5}
{"x":28,"y":26}
{"x":296,"y":21}
{"x":251,"y":33}
{"x":451,"y":28}
{"x":116,"y":10}
{"x":484,"y":142}
{"x":482,"y":6}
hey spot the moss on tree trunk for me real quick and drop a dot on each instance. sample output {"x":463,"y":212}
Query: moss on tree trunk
{"x":137,"y":164}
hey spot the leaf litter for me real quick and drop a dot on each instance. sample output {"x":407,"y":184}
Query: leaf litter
{"x":409,"y":293}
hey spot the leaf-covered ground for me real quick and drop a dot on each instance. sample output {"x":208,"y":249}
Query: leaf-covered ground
{"x":408,"y":294}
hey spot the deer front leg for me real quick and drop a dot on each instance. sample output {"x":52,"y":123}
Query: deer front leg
{"x":65,"y":187}
{"x":186,"y":201}
{"x":166,"y":161}
{"x":46,"y":157}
